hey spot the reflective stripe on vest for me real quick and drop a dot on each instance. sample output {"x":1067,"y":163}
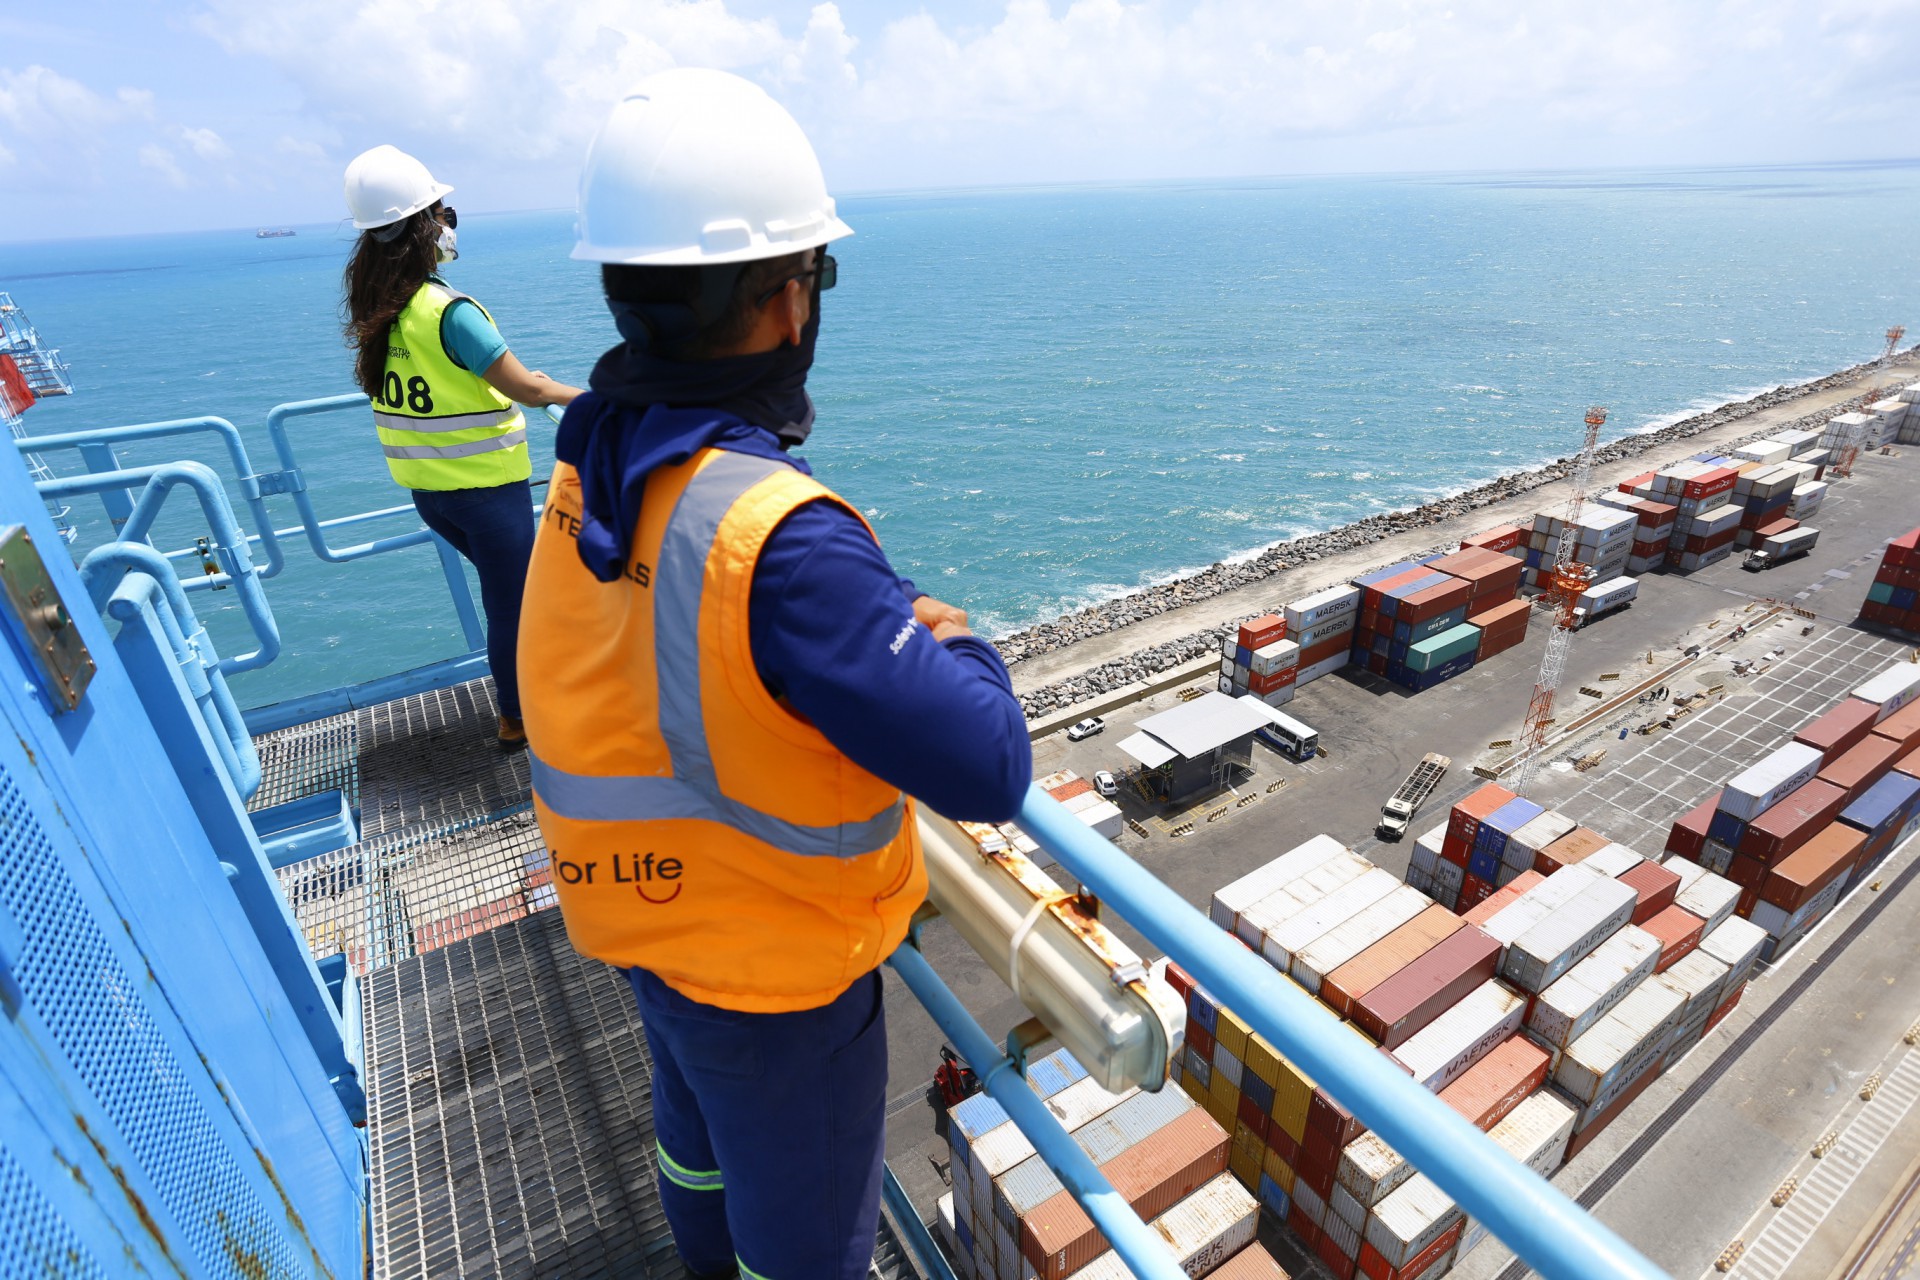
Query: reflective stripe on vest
{"x":679,"y":581}
{"x":442,"y":426}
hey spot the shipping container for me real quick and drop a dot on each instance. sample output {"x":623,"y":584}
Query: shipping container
{"x":1232,"y":898}
{"x":1535,"y":904}
{"x":1885,"y":806}
{"x":1903,"y":726}
{"x":1691,"y":830}
{"x":1613,"y":1050}
{"x":1613,"y":860}
{"x":1679,"y":932}
{"x":1322,"y":606}
{"x":1371,"y":1170}
{"x":1463,"y":821}
{"x":1892,"y":689}
{"x":1824,"y":858}
{"x":1487,"y":1091}
{"x":1792,"y":821}
{"x":1567,"y":934}
{"x":1414,"y":1217}
{"x":1270,"y":913}
{"x":1705,"y":894}
{"x":1654,"y":886}
{"x":1699,"y":979}
{"x":1525,"y":845}
{"x":1401,"y":1006}
{"x":1840,"y":729}
{"x":1442,"y":1050}
{"x":1569,"y":850}
{"x":1510,"y":892}
{"x":1354,"y":935}
{"x":1757,"y":789}
{"x":1282,"y":943}
{"x":1400,"y":948}
{"x":1590,"y":1125}
{"x":1591,"y":989}
{"x":1256,"y":633}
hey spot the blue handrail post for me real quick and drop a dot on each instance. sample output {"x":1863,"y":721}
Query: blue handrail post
{"x":1544,"y":1228}
{"x":456,"y":575}
{"x":99,"y":457}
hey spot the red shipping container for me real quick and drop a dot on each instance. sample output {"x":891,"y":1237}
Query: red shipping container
{"x":1640,"y":481}
{"x":1318,"y":1176}
{"x":1304,"y":1227}
{"x":1569,"y":850}
{"x":1746,"y":872}
{"x":1251,"y":1263}
{"x":1332,"y":646}
{"x":1792,"y":821}
{"x":1463,"y":823}
{"x":1258,"y":633}
{"x":1598,"y":1124}
{"x":1433,"y":602}
{"x":1656,"y":886}
{"x":1278,"y":680}
{"x":1421,"y":992}
{"x":1863,"y":765}
{"x":1152,"y":1176}
{"x":1352,"y":980}
{"x":1474,"y":891}
{"x":1375,"y":1267}
{"x":1678,"y":931}
{"x":1485,"y":911}
{"x":1839,"y":729}
{"x":1319,"y":1150}
{"x":1283,"y":1142}
{"x":1199,"y":1039}
{"x":1328,"y":1117}
{"x":1337,"y":1262}
{"x":1825,"y":858}
{"x":1903,"y":551}
{"x":1708,"y":483}
{"x":1903,"y":727}
{"x":1499,"y":617}
{"x":1456,"y":851}
{"x":1179,"y":979}
{"x":1908,"y":764}
{"x":1504,"y":538}
{"x":1726,"y":1007}
{"x":1690,"y":832}
{"x":1499,"y":1082}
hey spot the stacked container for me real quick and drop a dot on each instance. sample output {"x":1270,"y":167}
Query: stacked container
{"x":1322,"y":625}
{"x":1258,"y":659}
{"x":1910,"y":426}
{"x":1412,"y":626}
{"x":1604,"y":541}
{"x":1892,"y":413}
{"x":1763,"y":496}
{"x":1605,"y":596}
{"x":1894,"y":598}
{"x":1507,"y":539}
{"x":1652,"y":532}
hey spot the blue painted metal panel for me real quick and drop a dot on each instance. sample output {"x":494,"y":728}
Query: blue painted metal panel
{"x":154,"y":1008}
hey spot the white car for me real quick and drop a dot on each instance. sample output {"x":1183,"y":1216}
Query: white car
{"x":1103,"y":783}
{"x":1086,"y":728}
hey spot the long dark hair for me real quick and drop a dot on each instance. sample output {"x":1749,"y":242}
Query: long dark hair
{"x":381,"y":278}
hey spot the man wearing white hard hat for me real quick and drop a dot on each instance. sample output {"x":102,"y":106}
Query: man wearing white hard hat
{"x":446,"y":393}
{"x":730,"y":694}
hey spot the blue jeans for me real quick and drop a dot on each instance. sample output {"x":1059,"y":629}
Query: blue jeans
{"x":493,"y":529}
{"x":770,"y":1131}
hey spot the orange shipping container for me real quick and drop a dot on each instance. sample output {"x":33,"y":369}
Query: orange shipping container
{"x":1499,"y":1082}
{"x":1152,"y":1176}
{"x":1812,"y":867}
{"x":1387,"y":957}
{"x":1375,"y":1267}
{"x":1909,"y":764}
{"x":1570,"y":849}
{"x":1859,"y":767}
{"x":1504,"y":898}
{"x":1251,"y":1263}
{"x":1903,"y":726}
{"x":1679,"y":932}
{"x":1656,"y":886}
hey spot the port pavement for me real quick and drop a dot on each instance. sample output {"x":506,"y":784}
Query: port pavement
{"x":1125,"y":642}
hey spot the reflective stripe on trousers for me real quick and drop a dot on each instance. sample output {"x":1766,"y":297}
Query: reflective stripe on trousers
{"x":511,"y":440}
{"x":679,"y":581}
{"x":681,"y":1176}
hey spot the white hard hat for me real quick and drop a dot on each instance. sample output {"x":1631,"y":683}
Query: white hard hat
{"x":386,"y":184}
{"x":696,"y":168}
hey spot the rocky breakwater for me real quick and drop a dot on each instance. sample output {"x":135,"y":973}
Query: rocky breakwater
{"x":1217,"y":579}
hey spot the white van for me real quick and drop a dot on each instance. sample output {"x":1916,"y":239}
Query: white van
{"x":1289,"y":736}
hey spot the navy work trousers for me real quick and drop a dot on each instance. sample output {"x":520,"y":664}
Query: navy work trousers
{"x":493,"y":529}
{"x":770,"y":1131}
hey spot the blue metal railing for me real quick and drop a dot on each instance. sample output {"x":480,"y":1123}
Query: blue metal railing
{"x":1542,"y":1226}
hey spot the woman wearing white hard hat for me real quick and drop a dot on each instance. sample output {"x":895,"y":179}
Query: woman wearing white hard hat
{"x":730,"y":692}
{"x":446,"y":393}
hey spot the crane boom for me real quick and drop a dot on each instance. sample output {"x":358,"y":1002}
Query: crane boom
{"x":1566,"y":579}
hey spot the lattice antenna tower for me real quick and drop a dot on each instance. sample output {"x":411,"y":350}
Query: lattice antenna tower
{"x":30,"y":370}
{"x":1894,"y":335}
{"x":1565,"y":581}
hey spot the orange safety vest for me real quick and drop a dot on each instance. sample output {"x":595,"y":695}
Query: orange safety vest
{"x":698,"y":827}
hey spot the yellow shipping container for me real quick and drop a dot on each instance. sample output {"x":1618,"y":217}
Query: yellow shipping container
{"x":1262,"y":1059}
{"x":1222,"y":1110}
{"x":1245,"y":1136}
{"x":1195,"y":1090}
{"x":1292,"y":1093}
{"x":1231,"y":1034}
{"x":1223,"y":1089}
{"x":1244,"y":1167}
{"x":1277,"y":1169}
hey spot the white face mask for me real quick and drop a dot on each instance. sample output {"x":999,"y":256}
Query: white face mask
{"x":447,"y":245}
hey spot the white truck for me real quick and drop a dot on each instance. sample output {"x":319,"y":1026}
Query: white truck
{"x":1781,"y":548}
{"x":1399,"y":809}
{"x":1603,"y":598}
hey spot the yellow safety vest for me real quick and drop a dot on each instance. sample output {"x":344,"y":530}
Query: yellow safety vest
{"x":441,"y":426}
{"x":699,"y":828}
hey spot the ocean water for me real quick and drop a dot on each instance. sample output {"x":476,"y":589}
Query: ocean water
{"x":1046,"y":397}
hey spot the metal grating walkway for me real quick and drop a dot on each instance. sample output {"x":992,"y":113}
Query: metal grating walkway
{"x":509,"y":1103}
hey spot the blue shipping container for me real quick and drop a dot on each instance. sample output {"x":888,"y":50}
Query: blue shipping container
{"x":1484,"y":863}
{"x":1272,"y":1198}
{"x":1252,"y":1086}
{"x":1888,"y":803}
{"x":1503,"y":822}
{"x":1381,"y":575}
{"x":1054,"y":1072}
{"x":1725,"y":828}
{"x":1904,"y":597}
{"x":974,"y":1118}
{"x":1203,"y":1009}
{"x":1434,"y":626}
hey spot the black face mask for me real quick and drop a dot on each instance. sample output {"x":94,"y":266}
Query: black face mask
{"x":768,"y":389}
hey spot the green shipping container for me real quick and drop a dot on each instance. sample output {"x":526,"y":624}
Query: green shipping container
{"x":1880,"y":592}
{"x":1444,"y":648}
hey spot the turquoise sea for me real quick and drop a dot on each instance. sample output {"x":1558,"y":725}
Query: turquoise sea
{"x":1045,"y":397}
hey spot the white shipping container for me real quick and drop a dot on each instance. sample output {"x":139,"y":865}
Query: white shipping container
{"x":1426,"y":849}
{"x":1709,"y":896}
{"x":1324,"y":667}
{"x":1299,"y":931}
{"x":1534,"y":905}
{"x":1275,"y":657}
{"x":1596,"y":1060}
{"x":1566,"y":937}
{"x":1207,"y":1227}
{"x":1757,"y":789}
{"x":1781,"y":923}
{"x":1311,"y":610}
{"x":1371,"y":1170}
{"x":1352,"y":936}
{"x":1342,"y":1234}
{"x":1448,"y":879}
{"x":1608,"y":594}
{"x":1892,"y":689}
{"x":1341,"y":1204}
{"x":1535,"y":836}
{"x":1322,"y":632}
{"x":1439,"y":1053}
{"x":1590,"y":990}
{"x":1421,"y":880}
{"x":1536,"y":1132}
{"x":1735,"y":943}
{"x":1698,"y":978}
{"x":1613,"y":860}
{"x":1309,"y":1202}
{"x":1230,"y":899}
{"x":1799,"y":441}
{"x":1409,"y":1220}
{"x":1769,"y":452}
{"x":1227,"y":1063}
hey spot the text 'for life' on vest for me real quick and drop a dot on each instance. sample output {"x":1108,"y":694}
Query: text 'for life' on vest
{"x":649,"y":877}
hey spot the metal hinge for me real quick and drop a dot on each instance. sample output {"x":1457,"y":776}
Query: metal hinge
{"x":269,"y":483}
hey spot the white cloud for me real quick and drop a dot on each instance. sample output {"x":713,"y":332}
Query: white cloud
{"x":206,"y":144}
{"x":300,"y":148}
{"x":40,"y":101}
{"x":157,"y":158}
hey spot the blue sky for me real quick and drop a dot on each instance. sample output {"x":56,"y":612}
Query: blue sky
{"x":124,"y":115}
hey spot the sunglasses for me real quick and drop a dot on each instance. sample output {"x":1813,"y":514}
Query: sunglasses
{"x":825,"y":270}
{"x":449,"y":217}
